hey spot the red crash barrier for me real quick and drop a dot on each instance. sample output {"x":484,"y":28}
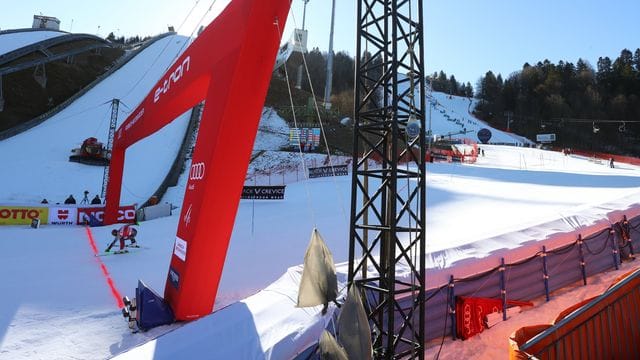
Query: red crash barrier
{"x":471,"y":313}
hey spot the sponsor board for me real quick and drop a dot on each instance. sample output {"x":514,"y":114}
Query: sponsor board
{"x":263,"y":192}
{"x":324,"y":171}
{"x":63,"y":215}
{"x":180,"y":249}
{"x":546,"y":138}
{"x":126,"y":214}
{"x":22,"y":215}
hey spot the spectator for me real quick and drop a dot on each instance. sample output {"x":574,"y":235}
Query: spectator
{"x":70,"y":200}
{"x":44,"y":201}
{"x":611,"y":163}
{"x":96,"y":200}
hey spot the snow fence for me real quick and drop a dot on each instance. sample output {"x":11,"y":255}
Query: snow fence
{"x":603,"y":327}
{"x":547,"y":270}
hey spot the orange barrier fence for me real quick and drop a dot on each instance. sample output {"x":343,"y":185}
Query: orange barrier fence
{"x":604,"y":327}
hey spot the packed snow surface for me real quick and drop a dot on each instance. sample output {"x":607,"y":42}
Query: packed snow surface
{"x":61,"y":305}
{"x":43,"y":152}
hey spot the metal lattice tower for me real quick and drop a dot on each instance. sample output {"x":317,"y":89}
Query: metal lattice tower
{"x":115,"y":105}
{"x":388,"y":199}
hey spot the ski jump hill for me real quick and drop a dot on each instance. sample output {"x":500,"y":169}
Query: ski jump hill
{"x":62,"y":306}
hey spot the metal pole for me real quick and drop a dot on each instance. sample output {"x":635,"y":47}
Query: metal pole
{"x":304,"y":13}
{"x":1,"y":97}
{"x":328,"y":84}
{"x":115,"y":105}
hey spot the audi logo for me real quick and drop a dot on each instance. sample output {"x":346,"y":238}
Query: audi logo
{"x":197,"y":171}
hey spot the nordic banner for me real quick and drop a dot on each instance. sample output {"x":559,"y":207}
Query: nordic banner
{"x":263,"y":192}
{"x":324,"y":171}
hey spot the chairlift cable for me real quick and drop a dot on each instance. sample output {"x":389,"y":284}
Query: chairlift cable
{"x":162,"y":52}
{"x":104,"y":117}
{"x":295,"y":122}
{"x":324,"y":136}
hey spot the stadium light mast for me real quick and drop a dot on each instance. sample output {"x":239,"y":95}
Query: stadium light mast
{"x":329,"y":76}
{"x":301,"y":38}
{"x":390,"y":120}
{"x":304,"y":12}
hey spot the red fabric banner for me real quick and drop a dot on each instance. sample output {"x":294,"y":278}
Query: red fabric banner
{"x":471,"y":313}
{"x":229,"y":66}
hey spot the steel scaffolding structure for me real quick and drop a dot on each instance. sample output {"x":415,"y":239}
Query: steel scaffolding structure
{"x":388,"y":199}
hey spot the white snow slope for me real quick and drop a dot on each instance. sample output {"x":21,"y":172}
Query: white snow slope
{"x":56,"y":301}
{"x":452,"y":115}
{"x":43,"y":152}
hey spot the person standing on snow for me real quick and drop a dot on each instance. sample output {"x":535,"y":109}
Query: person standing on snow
{"x":70,"y":200}
{"x":96,"y":200}
{"x":126,"y":232}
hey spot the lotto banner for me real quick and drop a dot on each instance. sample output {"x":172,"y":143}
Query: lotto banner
{"x":22,"y":215}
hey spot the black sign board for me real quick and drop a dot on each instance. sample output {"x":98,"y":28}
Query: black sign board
{"x":263,"y":192}
{"x":323,"y":171}
{"x":484,"y":135}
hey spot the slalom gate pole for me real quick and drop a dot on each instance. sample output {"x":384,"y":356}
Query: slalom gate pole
{"x":582,"y":263}
{"x":545,"y":272}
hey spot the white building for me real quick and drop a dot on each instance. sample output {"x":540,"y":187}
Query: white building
{"x":45,"y":22}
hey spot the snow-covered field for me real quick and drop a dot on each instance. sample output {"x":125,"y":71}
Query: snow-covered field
{"x":60,"y":303}
{"x":56,"y":301}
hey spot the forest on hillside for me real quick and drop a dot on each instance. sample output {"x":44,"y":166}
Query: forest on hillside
{"x":587,"y":108}
{"x":590,"y":109}
{"x":344,"y":76}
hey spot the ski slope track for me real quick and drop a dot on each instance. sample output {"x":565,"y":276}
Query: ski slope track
{"x":89,"y":116}
{"x":56,"y":301}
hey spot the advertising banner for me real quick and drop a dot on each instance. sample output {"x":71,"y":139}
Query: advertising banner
{"x":22,"y":215}
{"x":324,"y":171}
{"x":263,"y":192}
{"x":126,"y":214}
{"x":63,"y":215}
{"x":238,"y":47}
{"x":546,"y":138}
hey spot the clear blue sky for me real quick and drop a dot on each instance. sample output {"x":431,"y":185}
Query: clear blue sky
{"x":464,"y":38}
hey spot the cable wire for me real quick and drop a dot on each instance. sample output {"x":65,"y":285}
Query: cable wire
{"x":295,"y":122}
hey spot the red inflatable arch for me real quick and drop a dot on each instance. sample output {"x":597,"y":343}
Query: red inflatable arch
{"x":229,"y":66}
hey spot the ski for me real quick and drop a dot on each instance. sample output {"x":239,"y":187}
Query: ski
{"x":127,"y":250}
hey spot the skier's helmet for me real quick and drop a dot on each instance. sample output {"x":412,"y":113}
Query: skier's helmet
{"x":114,"y":232}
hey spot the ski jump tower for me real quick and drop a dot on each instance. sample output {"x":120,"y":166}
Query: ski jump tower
{"x":388,"y":224}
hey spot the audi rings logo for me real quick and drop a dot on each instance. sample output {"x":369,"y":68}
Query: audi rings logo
{"x":197,"y":171}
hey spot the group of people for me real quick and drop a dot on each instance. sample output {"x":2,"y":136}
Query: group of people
{"x":72,"y":201}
